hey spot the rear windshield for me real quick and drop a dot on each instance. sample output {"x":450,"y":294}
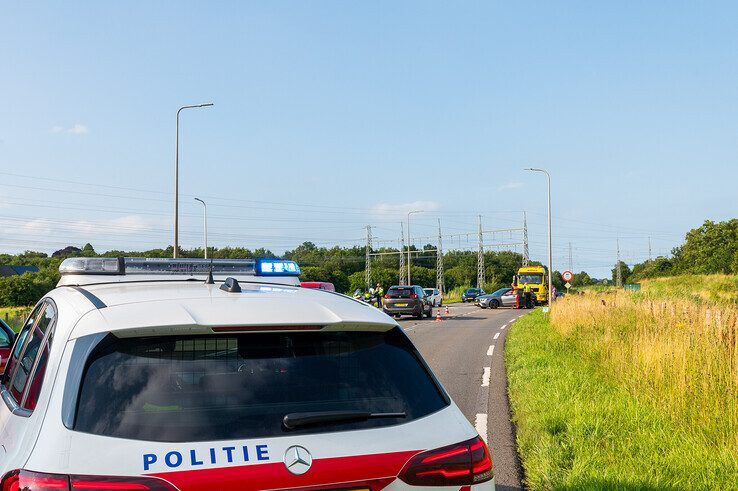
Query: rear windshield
{"x":400,"y":292}
{"x":233,"y":386}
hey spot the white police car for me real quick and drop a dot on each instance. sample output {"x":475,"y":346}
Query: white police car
{"x":136,"y":374}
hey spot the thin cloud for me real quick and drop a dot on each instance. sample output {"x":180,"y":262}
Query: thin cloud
{"x":393,"y":210}
{"x":510,"y":185}
{"x":75,"y":129}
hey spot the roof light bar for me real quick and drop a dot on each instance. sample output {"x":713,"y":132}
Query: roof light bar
{"x":167,"y":266}
{"x":277,"y":267}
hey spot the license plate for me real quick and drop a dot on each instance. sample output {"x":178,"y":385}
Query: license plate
{"x":400,"y":305}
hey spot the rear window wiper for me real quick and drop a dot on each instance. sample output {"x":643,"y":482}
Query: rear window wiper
{"x":293,"y":421}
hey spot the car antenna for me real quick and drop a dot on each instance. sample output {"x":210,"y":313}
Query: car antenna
{"x":209,"y":280}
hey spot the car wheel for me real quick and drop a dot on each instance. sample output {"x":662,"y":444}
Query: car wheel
{"x":429,"y":314}
{"x":494,"y":303}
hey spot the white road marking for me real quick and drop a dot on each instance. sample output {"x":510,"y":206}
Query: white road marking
{"x":497,"y":335}
{"x":480,"y":423}
{"x":485,"y":377}
{"x":503,"y":327}
{"x":491,"y":350}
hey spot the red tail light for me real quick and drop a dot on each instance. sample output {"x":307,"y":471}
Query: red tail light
{"x":387,"y":296}
{"x":414,"y":295}
{"x":462,"y":464}
{"x":36,"y":481}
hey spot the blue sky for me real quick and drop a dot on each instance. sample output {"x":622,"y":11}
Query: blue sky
{"x":332,"y":115}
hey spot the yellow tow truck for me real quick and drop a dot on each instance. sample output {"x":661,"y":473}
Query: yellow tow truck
{"x":535,"y":276}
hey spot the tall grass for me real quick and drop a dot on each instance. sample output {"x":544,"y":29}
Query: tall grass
{"x":678,"y":356}
{"x":707,"y":289}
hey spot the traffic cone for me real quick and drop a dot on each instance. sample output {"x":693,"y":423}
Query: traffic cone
{"x":438,"y":316}
{"x":446,"y":309}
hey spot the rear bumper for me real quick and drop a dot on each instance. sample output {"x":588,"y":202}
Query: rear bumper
{"x":409,"y":310}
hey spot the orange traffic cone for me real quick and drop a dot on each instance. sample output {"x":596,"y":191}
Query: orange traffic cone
{"x":438,"y":316}
{"x":446,"y":309}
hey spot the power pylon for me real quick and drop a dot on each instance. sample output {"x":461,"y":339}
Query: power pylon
{"x":403,"y":270}
{"x":571,"y":263}
{"x":440,"y":281}
{"x":480,"y":257}
{"x":368,"y":265}
{"x":618,"y":269}
{"x":649,"y":248}
{"x":526,"y":253}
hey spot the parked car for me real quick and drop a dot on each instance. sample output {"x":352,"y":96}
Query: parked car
{"x":407,"y":300}
{"x":434,"y":296}
{"x":471,"y":294}
{"x":186,"y":374}
{"x":7,"y":336}
{"x":504,"y":297}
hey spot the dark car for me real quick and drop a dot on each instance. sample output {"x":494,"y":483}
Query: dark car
{"x":471,"y":294}
{"x":407,"y":300}
{"x":7,"y":336}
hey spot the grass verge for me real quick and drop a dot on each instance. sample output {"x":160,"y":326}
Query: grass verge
{"x":579,"y":427}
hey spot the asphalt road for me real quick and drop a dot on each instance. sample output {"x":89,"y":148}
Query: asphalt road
{"x":466,"y":353}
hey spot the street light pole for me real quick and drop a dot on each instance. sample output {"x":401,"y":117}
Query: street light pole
{"x":176,"y":176}
{"x":550,"y":248}
{"x":409,"y":243}
{"x":205,"y":218}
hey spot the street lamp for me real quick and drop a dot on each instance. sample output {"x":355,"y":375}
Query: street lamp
{"x":176,"y":176}
{"x":550,"y":248}
{"x":205,"y":217}
{"x":409,"y":281}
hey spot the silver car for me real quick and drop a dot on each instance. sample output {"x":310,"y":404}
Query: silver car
{"x":504,"y":297}
{"x":434,"y":296}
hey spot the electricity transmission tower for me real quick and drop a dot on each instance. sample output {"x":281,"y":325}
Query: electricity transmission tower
{"x":571,"y":263}
{"x":618,"y":269}
{"x":368,"y":266}
{"x":440,"y":281}
{"x":403,"y":278}
{"x":480,"y":258}
{"x":649,"y":248}
{"x":526,"y":254}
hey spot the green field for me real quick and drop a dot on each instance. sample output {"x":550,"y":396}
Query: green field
{"x":14,"y":316}
{"x":581,"y":427}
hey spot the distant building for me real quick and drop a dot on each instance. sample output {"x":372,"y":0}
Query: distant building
{"x":9,"y":270}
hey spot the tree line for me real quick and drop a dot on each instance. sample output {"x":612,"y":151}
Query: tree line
{"x":342,"y":266}
{"x":711,"y":248}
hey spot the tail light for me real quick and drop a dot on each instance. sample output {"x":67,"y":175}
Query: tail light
{"x":387,"y":296}
{"x":414,"y":295}
{"x":462,"y":464}
{"x":24,"y":480}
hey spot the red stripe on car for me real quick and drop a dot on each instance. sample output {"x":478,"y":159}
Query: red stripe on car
{"x":371,"y":469}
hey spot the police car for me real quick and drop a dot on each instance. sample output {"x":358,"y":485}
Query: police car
{"x":163,"y":375}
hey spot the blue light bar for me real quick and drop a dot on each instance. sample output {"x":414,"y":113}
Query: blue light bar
{"x":276,"y":267}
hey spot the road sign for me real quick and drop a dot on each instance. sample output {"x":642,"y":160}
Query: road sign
{"x":567,"y":285}
{"x":567,"y":276}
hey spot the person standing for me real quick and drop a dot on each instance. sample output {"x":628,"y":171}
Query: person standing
{"x":528,"y":300}
{"x":379,"y":291}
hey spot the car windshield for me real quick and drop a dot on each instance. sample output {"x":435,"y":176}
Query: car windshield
{"x":502,"y":291}
{"x":530,"y":278}
{"x":429,"y":291}
{"x":220,"y":387}
{"x":472,"y":290}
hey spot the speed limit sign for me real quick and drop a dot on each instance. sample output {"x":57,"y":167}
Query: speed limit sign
{"x":567,"y":276}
